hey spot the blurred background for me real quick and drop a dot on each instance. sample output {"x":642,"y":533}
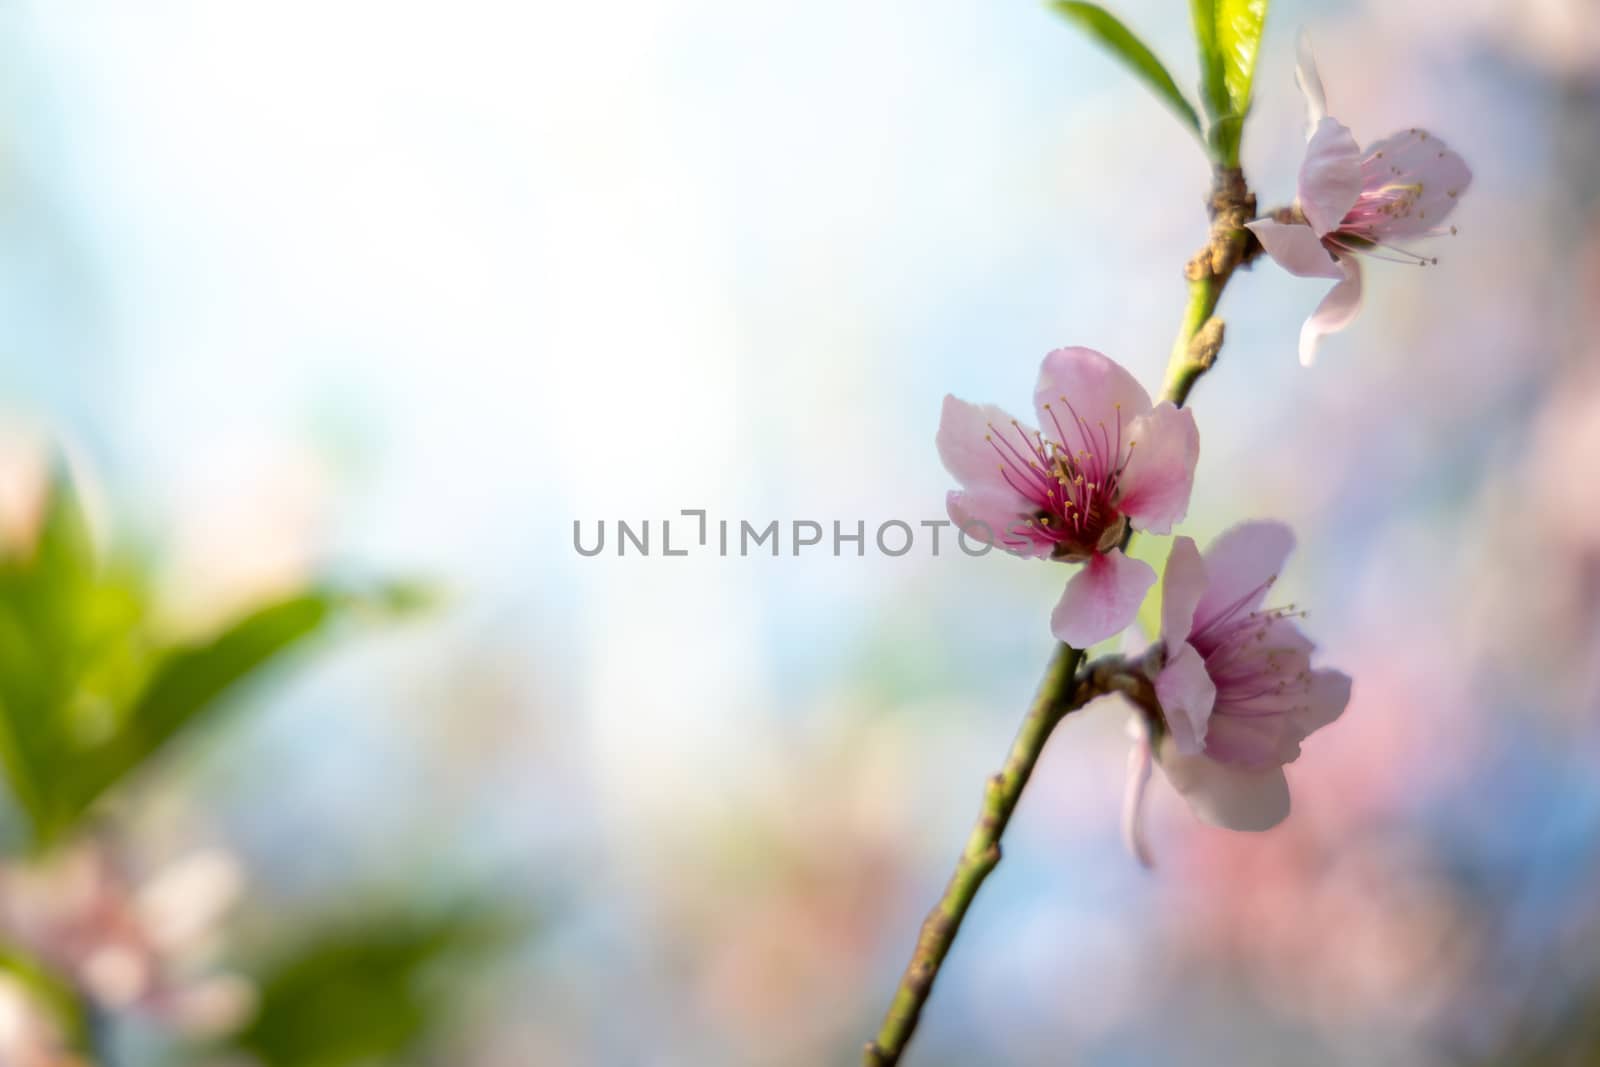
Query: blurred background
{"x":321,"y":324}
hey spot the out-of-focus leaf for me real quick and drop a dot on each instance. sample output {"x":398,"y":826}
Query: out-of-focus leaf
{"x":89,"y":690}
{"x":1120,"y":41}
{"x":62,"y":622}
{"x":189,"y":682}
{"x":357,"y":991}
{"x":398,"y":599}
{"x":1228,"y":33}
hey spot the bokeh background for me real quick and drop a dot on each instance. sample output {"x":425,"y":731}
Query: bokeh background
{"x":404,"y":290}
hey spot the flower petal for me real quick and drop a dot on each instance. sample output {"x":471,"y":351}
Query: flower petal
{"x":1326,"y":699}
{"x":1181,"y":589}
{"x":1240,"y":566}
{"x":971,"y":457}
{"x":1296,"y":248}
{"x":1337,"y":310}
{"x":1187,"y":694}
{"x":1230,"y":797}
{"x":1097,"y":388}
{"x":1101,"y":599}
{"x":1140,"y":761}
{"x":1330,"y":177}
{"x":992,"y":518}
{"x":1310,"y":82}
{"x":1257,"y":740}
{"x":1159,"y":475}
{"x":1418,"y":158}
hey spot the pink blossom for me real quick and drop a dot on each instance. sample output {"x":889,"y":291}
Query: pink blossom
{"x":125,"y":945}
{"x":1107,"y":460}
{"x":30,"y":1036}
{"x":1236,"y":688}
{"x":1352,"y":202}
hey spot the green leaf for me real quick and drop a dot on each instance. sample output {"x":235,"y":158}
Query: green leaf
{"x":1228,"y":33}
{"x":187,"y":683}
{"x":1104,"y":27}
{"x":353,"y":990}
{"x":89,"y":689}
{"x":59,"y":615}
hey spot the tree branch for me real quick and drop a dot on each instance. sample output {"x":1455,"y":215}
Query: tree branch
{"x":1065,"y":688}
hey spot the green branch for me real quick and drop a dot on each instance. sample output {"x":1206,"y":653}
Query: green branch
{"x":1064,"y":687}
{"x":1056,"y":697}
{"x":1229,"y":247}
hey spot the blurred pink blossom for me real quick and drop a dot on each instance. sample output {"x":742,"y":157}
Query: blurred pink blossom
{"x":129,"y":946}
{"x":29,"y":1036}
{"x":1351,"y":865}
{"x":786,"y":903}
{"x":1560,"y":36}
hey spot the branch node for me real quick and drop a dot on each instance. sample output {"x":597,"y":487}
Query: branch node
{"x":1206,"y":343}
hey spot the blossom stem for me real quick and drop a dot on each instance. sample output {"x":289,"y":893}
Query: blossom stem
{"x":1058,"y":694}
{"x":1228,"y":247}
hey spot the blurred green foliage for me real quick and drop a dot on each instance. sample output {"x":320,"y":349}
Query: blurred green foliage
{"x":89,"y":687}
{"x":368,"y":988}
{"x":91,"y":690}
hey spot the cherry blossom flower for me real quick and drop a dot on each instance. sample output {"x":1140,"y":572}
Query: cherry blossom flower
{"x":1235,"y":687}
{"x":1107,"y":460}
{"x":1353,"y":203}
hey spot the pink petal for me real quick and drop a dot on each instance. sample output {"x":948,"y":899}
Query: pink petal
{"x":1296,"y":248}
{"x":1140,"y":762}
{"x":1330,"y":177}
{"x":1310,"y":82}
{"x":1257,"y":740}
{"x":1136,"y":641}
{"x":1097,"y":388}
{"x":1187,"y":694}
{"x":1160,"y":469}
{"x":1337,"y":310}
{"x":1240,"y":567}
{"x":1230,"y":797}
{"x":1101,"y":599}
{"x":970,"y":457}
{"x":1290,"y":644}
{"x":1325,"y":702}
{"x":1181,"y":589}
{"x":992,"y":518}
{"x":1416,"y":157}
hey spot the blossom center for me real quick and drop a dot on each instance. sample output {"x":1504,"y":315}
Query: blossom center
{"x":1073,"y":479}
{"x":1261,"y":668}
